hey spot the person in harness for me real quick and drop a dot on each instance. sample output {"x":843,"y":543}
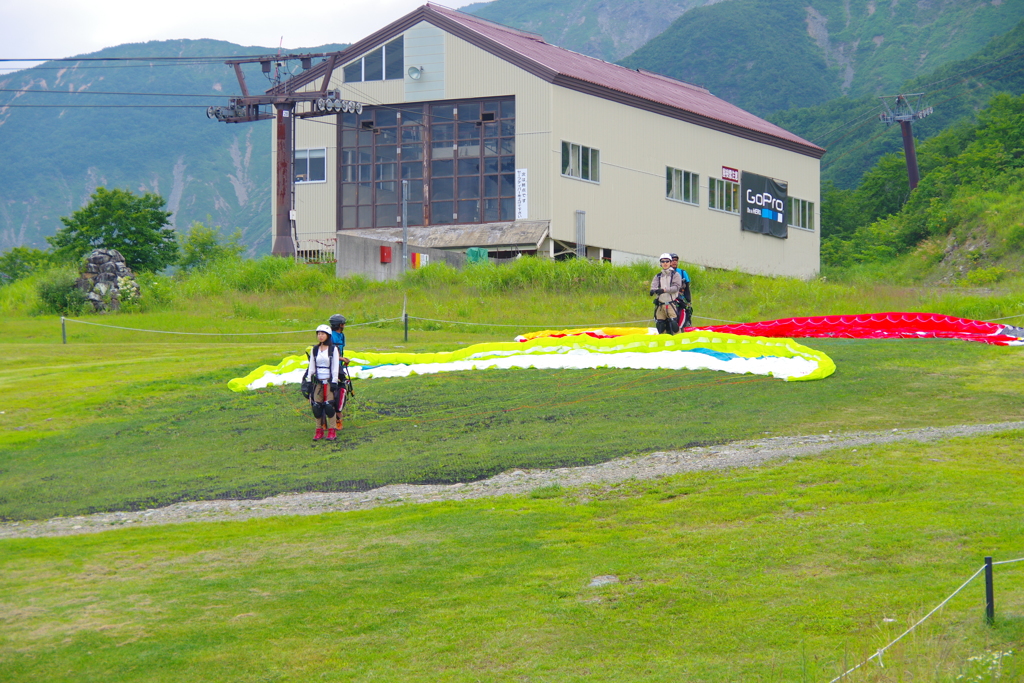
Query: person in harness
{"x":665,"y":288}
{"x":683,"y":301}
{"x":337,"y":323}
{"x":321,"y":384}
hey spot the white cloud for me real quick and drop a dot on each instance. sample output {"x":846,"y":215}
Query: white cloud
{"x":63,"y":28}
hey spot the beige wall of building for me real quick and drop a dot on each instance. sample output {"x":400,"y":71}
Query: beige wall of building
{"x":627,"y":210}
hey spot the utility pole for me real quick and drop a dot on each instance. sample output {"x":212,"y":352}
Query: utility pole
{"x":284,"y":104}
{"x":905,"y":113}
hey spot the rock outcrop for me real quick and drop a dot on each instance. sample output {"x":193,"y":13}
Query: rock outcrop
{"x":107,"y":280}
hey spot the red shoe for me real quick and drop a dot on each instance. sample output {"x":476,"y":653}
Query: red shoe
{"x":319,"y":434}
{"x":332,"y":434}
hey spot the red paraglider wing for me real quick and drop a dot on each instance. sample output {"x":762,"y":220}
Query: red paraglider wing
{"x":876,"y":326}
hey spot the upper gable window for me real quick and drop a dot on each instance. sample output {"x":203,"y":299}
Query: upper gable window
{"x":384,"y":63}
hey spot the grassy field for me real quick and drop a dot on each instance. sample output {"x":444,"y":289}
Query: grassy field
{"x":781,"y":573}
{"x":139,"y":426}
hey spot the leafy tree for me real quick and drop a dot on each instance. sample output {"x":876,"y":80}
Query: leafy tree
{"x":21,"y":262}
{"x":202,"y":246}
{"x":118,"y":219}
{"x":884,"y":189}
{"x":839,"y":216}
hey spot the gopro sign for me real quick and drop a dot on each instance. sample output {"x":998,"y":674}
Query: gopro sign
{"x":763,"y":206}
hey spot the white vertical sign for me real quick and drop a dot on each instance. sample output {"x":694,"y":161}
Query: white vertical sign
{"x":522,"y":210}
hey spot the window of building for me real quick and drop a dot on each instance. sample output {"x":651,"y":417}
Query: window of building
{"x":311,"y":165}
{"x":723,"y":195}
{"x":581,"y":162}
{"x":682,"y":186}
{"x":385,"y":63}
{"x":800,"y":213}
{"x":458,"y":158}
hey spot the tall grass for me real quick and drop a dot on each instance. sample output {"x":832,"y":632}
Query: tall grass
{"x":535,"y":292}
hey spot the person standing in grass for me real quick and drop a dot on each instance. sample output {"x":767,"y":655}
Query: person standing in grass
{"x":683,"y":304}
{"x":337,"y":323}
{"x":323,"y":372}
{"x":665,"y":286}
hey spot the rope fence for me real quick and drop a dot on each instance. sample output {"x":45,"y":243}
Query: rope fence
{"x":989,"y":611}
{"x":405,"y":319}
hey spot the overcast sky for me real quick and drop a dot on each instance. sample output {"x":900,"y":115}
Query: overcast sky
{"x":51,"y":29}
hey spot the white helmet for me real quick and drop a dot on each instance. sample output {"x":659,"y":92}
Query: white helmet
{"x":324,"y":328}
{"x":665,"y":257}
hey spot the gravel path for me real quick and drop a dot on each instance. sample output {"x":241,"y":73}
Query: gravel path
{"x":735,"y":454}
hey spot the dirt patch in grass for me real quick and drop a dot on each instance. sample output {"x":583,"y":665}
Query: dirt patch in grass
{"x":515,"y":482}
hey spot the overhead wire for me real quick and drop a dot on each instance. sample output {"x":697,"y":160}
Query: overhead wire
{"x":207,"y":58}
{"x":103,"y":106}
{"x":102,"y":92}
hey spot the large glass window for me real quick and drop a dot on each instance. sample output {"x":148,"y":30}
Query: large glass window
{"x":800,"y":213}
{"x":310,"y":165}
{"x":682,"y":186}
{"x":387,"y":62}
{"x":723,"y":195}
{"x":458,"y":157}
{"x":581,"y":162}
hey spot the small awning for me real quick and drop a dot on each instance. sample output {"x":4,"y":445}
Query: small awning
{"x":519,"y":234}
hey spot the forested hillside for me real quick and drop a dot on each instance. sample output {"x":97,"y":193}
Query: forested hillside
{"x":963,"y":223}
{"x":771,"y":55}
{"x":607,"y":29}
{"x":61,"y":136}
{"x":849,"y":128}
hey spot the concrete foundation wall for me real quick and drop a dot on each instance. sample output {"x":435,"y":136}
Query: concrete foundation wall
{"x":361,"y":255}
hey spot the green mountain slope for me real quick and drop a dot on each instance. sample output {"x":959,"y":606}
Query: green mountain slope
{"x":849,"y":127}
{"x":599,"y":28}
{"x":965,"y":221}
{"x":53,"y":154}
{"x":770,"y":55}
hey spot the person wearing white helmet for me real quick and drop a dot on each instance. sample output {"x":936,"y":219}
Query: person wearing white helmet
{"x":322,"y":374}
{"x":665,"y":287}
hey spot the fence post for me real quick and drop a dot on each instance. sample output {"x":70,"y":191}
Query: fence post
{"x":990,"y":594}
{"x":63,"y":330}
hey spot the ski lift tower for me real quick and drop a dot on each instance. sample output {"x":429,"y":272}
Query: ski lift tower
{"x":905,"y":112}
{"x":283,"y":104}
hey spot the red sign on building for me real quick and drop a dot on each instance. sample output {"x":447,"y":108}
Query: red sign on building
{"x":730,"y":174}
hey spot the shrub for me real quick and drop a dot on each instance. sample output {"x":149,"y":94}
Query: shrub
{"x":58,"y":293}
{"x":261,"y":275}
{"x":19,"y":297}
{"x":20,"y":262}
{"x":155,"y":291}
{"x":201,"y":246}
{"x":983,"y":277}
{"x":305,"y":279}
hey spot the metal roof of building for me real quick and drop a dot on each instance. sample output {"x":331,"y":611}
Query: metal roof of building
{"x":633,"y":87}
{"x":522,"y":234}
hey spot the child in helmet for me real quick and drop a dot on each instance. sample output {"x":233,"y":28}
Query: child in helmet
{"x":337,"y":323}
{"x":323,"y":372}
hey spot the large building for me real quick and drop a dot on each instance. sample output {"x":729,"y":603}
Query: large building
{"x":519,"y":146}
